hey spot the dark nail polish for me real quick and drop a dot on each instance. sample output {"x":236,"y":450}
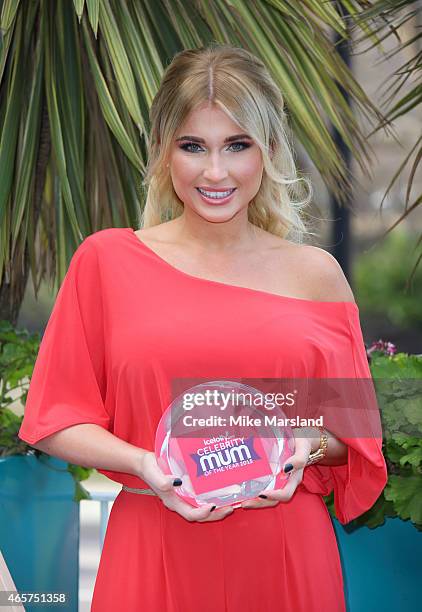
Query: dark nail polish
{"x":177,"y":482}
{"x":213,"y":508}
{"x":263,"y":496}
{"x":288,"y":467}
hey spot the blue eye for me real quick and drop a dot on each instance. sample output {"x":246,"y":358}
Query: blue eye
{"x":187,"y":146}
{"x":244,"y":145}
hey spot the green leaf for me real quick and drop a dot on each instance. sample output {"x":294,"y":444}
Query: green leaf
{"x":414,"y":457}
{"x":120,"y":62}
{"x":80,"y":493}
{"x":93,"y":7}
{"x":69,"y":79}
{"x":8,"y":13}
{"x":108,"y":107}
{"x":81,"y":473}
{"x":57,"y":131}
{"x":406,"y":495}
{"x":10,"y":128}
{"x":28,"y":148}
{"x":79,"y":7}
{"x":142,"y":53}
{"x":413,"y":411}
{"x":5,"y":44}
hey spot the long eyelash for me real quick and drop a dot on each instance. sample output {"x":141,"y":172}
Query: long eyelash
{"x":246,"y":145}
{"x":185,"y":146}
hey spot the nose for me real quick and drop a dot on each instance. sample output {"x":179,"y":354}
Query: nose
{"x":215,"y":169}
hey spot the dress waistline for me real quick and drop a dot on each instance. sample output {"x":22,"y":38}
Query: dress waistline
{"x":139,"y":491}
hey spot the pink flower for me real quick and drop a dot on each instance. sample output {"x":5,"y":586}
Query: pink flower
{"x":381,"y":346}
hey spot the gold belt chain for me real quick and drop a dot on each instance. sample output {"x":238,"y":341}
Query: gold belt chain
{"x":139,"y":491}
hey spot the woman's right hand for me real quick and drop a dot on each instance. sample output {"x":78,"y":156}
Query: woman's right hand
{"x":163,"y":486}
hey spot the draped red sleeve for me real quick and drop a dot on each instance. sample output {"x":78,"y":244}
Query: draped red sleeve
{"x":358,"y":483}
{"x":68,"y":385}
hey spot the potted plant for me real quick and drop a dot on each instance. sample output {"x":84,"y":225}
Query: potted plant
{"x":39,"y":494}
{"x":386,"y":541}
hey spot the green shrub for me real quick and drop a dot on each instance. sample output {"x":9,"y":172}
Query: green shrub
{"x":380,"y":281}
{"x":18,"y":352}
{"x":398,"y":384}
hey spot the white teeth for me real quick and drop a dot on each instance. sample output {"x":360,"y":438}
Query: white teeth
{"x":215,"y":195}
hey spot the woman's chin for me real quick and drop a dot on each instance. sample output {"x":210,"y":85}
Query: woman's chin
{"x":218,"y":215}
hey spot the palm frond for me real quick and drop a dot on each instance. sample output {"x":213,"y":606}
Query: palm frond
{"x":77,"y":81}
{"x":387,"y":17}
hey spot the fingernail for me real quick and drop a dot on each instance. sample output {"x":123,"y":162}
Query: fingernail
{"x":263,"y":496}
{"x":177,"y":482}
{"x":213,"y":508}
{"x":288,"y":467}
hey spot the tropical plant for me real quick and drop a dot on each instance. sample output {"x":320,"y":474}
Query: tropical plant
{"x":389,"y":19}
{"x":398,"y":385}
{"x":77,"y":80}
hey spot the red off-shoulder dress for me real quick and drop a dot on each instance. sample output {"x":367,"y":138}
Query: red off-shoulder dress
{"x":124,"y":324}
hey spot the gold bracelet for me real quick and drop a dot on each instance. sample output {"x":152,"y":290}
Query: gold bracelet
{"x":322,"y":450}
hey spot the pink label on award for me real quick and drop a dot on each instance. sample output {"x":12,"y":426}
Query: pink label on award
{"x":220,"y":462}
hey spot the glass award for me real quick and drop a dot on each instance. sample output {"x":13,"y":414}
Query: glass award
{"x":224,"y":444}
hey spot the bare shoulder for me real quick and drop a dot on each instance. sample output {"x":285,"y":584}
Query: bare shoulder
{"x":324,"y":274}
{"x":313,"y":268}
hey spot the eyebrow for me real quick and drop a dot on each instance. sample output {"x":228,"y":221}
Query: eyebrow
{"x":202,"y":141}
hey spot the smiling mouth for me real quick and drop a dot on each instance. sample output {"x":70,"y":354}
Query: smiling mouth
{"x":216,"y":195}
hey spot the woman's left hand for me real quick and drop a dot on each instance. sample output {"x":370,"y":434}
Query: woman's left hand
{"x":303,"y":447}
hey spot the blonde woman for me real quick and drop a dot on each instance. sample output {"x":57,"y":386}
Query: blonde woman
{"x":216,"y":283}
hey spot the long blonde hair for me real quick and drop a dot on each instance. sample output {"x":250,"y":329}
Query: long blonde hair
{"x":240,"y":84}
